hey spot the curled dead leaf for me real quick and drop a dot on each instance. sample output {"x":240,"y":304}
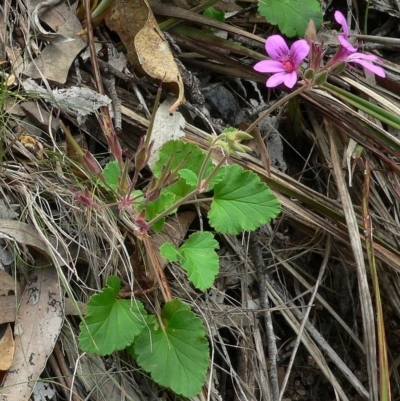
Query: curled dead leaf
{"x":148,"y":50}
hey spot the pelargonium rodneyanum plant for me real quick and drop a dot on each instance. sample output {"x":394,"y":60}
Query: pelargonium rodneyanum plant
{"x":285,"y":63}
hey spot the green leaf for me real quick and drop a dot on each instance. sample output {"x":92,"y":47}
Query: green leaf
{"x":111,"y":173}
{"x":220,"y":176}
{"x":174,"y":153}
{"x":169,"y":252}
{"x":154,"y":208}
{"x":292,"y":16}
{"x":189,"y":176}
{"x":197,"y":257}
{"x":200,"y":260}
{"x":176,"y":355}
{"x":111,"y":324}
{"x":241,"y":202}
{"x":211,"y":12}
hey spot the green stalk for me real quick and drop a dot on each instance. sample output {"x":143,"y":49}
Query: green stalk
{"x":366,"y":106}
{"x":384,"y":381}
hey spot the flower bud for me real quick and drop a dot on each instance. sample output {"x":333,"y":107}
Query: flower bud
{"x":241,"y":135}
{"x":153,"y":194}
{"x":311,"y":33}
{"x":84,"y":198}
{"x":320,"y":78}
{"x":338,"y":68}
{"x":141,"y":222}
{"x":309,"y":74}
{"x":91,"y":163}
{"x":115,"y":146}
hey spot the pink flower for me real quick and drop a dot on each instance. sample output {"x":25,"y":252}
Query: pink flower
{"x":348,"y":53}
{"x":285,"y":61}
{"x":340,"y":19}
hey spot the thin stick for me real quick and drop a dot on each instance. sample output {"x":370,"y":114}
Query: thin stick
{"x":269,"y":327}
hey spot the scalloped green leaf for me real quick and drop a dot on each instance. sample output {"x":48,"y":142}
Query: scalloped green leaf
{"x":111,"y":323}
{"x":154,"y":208}
{"x":189,"y":176}
{"x":176,"y":352}
{"x":292,"y":16}
{"x":168,"y":251}
{"x":174,"y":152}
{"x":241,"y":202}
{"x":198,"y":257}
{"x":111,"y":173}
{"x":191,"y":156}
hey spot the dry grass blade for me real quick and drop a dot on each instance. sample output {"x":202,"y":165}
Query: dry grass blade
{"x":383,"y":365}
{"x":363,"y":287}
{"x":306,"y":316}
{"x":293,"y":321}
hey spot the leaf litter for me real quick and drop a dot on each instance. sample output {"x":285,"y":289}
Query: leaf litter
{"x":85,"y":246}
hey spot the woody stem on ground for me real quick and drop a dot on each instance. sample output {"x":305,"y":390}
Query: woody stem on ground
{"x":276,"y":105}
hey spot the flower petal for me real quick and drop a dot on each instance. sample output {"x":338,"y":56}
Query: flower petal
{"x":269,"y":66}
{"x":276,"y":47}
{"x":299,"y":51}
{"x":346,"y":44}
{"x":276,"y":79}
{"x":340,"y":19}
{"x":363,"y":56}
{"x":290,"y":79}
{"x":370,"y":67}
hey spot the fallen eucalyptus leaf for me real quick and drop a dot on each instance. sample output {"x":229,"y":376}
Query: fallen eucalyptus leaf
{"x":7,"y":347}
{"x":26,"y":234}
{"x":39,"y":321}
{"x":41,"y":8}
{"x":146,"y":45}
{"x":57,"y":57}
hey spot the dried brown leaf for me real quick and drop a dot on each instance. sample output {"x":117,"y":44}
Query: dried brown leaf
{"x":147,"y":48}
{"x":7,"y":347}
{"x":38,"y":325}
{"x":23,"y":233}
{"x":56,"y":59}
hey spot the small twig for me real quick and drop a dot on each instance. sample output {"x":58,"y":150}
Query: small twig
{"x":108,"y":68}
{"x":138,"y":93}
{"x":109,"y":84}
{"x":78,"y":72}
{"x":271,"y":343}
{"x":65,"y":373}
{"x":378,"y":39}
{"x":59,"y":376}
